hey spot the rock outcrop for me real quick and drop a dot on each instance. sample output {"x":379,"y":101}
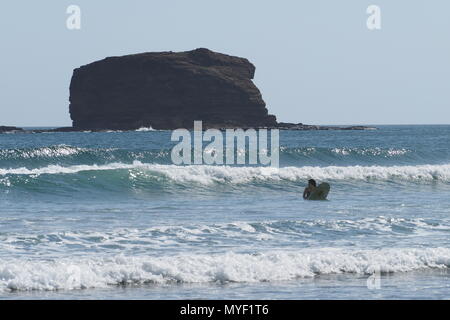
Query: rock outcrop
{"x":167,"y":90}
{"x":4,"y":129}
{"x":308,"y":127}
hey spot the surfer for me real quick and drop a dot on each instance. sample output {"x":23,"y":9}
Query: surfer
{"x":312,"y":185}
{"x":316,"y":192}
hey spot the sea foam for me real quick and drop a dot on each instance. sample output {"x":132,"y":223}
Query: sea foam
{"x":73,"y":273}
{"x":205,"y":174}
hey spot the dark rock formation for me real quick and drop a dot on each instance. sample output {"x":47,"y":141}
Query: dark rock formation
{"x":4,"y":129}
{"x":281,"y":126}
{"x":167,"y":90}
{"x":301,"y":126}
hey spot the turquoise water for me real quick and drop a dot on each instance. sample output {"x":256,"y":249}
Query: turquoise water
{"x":107,"y":215}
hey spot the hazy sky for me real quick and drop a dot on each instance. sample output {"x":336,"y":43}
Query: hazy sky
{"x":316,"y":61}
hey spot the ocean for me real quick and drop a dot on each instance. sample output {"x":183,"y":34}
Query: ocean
{"x":106,"y":215}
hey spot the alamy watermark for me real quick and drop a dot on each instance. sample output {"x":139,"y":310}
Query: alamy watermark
{"x":232,"y":146}
{"x":374,"y":19}
{"x":73,"y":276}
{"x":73,"y":21}
{"x":374,"y":281}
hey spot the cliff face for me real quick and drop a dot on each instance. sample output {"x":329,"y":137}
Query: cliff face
{"x":167,"y":91}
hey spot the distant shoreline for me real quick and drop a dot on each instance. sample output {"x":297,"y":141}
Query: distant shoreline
{"x":294,"y":127}
{"x":281,"y":126}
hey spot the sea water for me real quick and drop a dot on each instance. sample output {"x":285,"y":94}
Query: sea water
{"x":107,"y":215}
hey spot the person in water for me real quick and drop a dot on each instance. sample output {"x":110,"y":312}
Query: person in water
{"x":312,"y":185}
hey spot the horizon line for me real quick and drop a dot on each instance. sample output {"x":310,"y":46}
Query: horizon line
{"x":352,"y":124}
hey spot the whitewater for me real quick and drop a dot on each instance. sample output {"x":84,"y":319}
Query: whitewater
{"x":107,"y":215}
{"x":208,"y":174}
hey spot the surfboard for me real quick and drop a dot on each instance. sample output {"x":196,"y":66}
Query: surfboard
{"x":321,"y":192}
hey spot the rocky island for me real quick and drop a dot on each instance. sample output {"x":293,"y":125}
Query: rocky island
{"x":169,"y":90}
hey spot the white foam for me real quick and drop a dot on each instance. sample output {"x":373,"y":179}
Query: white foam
{"x":56,"y":169}
{"x":144,"y":129}
{"x":371,"y":151}
{"x":48,"y":152}
{"x":205,"y":174}
{"x":239,"y":234}
{"x":72,"y":273}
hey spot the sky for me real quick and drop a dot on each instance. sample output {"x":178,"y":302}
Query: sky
{"x":316,"y":61}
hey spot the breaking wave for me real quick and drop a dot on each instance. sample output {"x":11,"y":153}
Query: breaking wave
{"x":205,"y":174}
{"x":289,"y":156}
{"x":81,"y":273}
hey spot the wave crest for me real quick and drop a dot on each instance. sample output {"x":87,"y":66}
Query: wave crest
{"x":203,"y":268}
{"x":205,"y":174}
